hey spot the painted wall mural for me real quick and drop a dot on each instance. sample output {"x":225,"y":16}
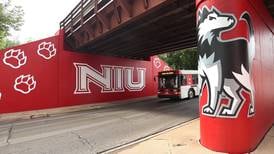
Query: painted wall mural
{"x":15,"y":58}
{"x":46,"y":50}
{"x":223,"y":76}
{"x":236,"y":73}
{"x":25,"y":84}
{"x":42,"y":75}
{"x":157,"y":62}
{"x":111,"y":79}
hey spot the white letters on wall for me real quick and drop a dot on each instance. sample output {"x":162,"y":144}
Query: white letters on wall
{"x":110,"y":78}
{"x":132,"y":85}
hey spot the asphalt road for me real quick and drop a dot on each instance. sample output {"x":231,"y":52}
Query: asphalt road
{"x":95,"y":131}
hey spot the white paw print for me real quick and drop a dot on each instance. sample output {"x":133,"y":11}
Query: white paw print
{"x":157,"y":62}
{"x":46,"y":50}
{"x":25,"y":84}
{"x":15,"y":58}
{"x":166,"y":68}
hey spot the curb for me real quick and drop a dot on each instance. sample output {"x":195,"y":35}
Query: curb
{"x":12,"y":117}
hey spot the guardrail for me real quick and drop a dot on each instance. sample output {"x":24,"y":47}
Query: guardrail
{"x":81,"y":13}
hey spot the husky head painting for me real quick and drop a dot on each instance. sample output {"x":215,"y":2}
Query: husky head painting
{"x":212,"y":23}
{"x":224,"y":65}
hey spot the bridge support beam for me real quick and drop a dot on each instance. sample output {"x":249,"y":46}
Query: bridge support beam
{"x":236,"y":74}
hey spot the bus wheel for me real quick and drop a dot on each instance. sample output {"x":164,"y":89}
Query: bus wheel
{"x":191,"y":93}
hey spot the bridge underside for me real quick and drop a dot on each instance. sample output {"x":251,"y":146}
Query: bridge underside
{"x":137,"y":31}
{"x":270,"y":5}
{"x":133,"y":29}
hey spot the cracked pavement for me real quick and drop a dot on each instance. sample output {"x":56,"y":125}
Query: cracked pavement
{"x":96,"y":130}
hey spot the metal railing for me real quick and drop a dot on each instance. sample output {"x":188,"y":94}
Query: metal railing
{"x":81,"y":13}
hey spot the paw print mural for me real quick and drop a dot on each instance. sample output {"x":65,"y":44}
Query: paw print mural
{"x":25,"y":84}
{"x":167,"y":68}
{"x":15,"y":58}
{"x":157,"y":62}
{"x":46,"y":50}
{"x":19,"y":63}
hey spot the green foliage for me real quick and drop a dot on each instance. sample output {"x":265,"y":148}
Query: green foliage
{"x":11,"y":17}
{"x":6,"y":43}
{"x":186,"y":59}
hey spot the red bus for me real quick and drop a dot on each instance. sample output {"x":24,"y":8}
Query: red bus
{"x":178,"y":84}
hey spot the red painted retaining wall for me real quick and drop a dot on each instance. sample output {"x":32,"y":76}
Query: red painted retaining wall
{"x":42,"y":75}
{"x":226,"y":126}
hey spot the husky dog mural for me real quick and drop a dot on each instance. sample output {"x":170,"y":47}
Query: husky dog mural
{"x":224,"y":65}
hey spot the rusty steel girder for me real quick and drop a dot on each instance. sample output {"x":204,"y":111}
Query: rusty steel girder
{"x":130,"y":28}
{"x":92,"y":18}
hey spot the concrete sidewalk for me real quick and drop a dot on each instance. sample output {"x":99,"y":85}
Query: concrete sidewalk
{"x":184,"y":139}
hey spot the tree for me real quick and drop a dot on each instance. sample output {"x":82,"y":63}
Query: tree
{"x":186,"y":59}
{"x":10,"y":43}
{"x":11,"y":17}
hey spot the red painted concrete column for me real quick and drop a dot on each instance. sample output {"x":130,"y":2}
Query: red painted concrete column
{"x":236,"y":62}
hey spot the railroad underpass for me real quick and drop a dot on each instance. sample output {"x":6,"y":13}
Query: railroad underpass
{"x":132,"y":29}
{"x":135,"y":29}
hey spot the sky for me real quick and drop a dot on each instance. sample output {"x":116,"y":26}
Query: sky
{"x":42,"y":18}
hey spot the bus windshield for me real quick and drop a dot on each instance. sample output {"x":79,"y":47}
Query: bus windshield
{"x":169,"y":81}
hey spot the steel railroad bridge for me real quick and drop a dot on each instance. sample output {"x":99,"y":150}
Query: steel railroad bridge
{"x":133,"y":29}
